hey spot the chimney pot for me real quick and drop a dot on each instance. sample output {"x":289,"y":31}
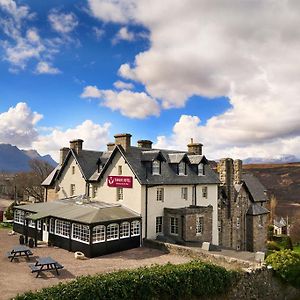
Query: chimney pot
{"x":194,"y":148}
{"x":76,"y":145}
{"x":124,"y":140}
{"x":63,"y":153}
{"x":144,"y":144}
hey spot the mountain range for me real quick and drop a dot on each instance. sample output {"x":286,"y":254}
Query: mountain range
{"x":13,"y":159}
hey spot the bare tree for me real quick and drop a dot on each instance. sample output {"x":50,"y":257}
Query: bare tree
{"x":29,"y":183}
{"x":273,"y":205}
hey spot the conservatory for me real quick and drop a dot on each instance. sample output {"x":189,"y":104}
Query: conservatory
{"x":75,"y":224}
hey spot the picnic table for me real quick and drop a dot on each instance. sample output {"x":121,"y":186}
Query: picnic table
{"x":45,"y":264}
{"x":18,"y":251}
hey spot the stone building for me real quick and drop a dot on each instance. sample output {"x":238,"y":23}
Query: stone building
{"x":243,"y":217}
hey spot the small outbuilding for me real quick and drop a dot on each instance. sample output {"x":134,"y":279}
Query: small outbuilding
{"x":77,"y":224}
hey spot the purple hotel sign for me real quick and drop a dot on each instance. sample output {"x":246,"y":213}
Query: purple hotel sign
{"x":120,"y":181}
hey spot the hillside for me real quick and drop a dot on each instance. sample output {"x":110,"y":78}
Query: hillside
{"x":12,"y":159}
{"x":283,"y":181}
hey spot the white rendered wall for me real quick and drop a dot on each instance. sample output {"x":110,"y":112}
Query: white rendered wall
{"x":67,"y":178}
{"x":131,"y":196}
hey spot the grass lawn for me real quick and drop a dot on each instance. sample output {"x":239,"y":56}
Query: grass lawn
{"x":297,"y":249}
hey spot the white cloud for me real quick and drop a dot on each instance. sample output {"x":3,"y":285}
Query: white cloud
{"x":123,"y":85}
{"x":238,"y":49}
{"x":17,"y":125}
{"x":98,"y":32}
{"x":91,"y":92}
{"x":95,"y":137}
{"x":46,"y":68}
{"x":130,"y":104}
{"x":123,"y":35}
{"x":62,"y":22}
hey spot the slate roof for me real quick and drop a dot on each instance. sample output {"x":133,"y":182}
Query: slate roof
{"x":138,"y":160}
{"x":255,"y":187}
{"x":50,"y":178}
{"x":256,"y":209}
{"x":76,"y":210}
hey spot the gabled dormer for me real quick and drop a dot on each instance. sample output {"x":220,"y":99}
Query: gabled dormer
{"x":153,"y":160}
{"x":179,"y":162}
{"x":198,"y":163}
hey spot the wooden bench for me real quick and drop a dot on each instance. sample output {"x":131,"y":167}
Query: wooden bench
{"x":40,"y":268}
{"x":12,"y":254}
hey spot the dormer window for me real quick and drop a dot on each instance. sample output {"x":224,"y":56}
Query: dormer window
{"x":182,"y":168}
{"x":156,"y":167}
{"x":201,"y":169}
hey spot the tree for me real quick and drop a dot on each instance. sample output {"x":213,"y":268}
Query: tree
{"x":29,"y":183}
{"x":295,"y":230}
{"x":273,"y":205}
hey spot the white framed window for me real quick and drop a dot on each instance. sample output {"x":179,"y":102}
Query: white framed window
{"x":159,"y":224}
{"x":72,"y":189}
{"x":184,"y":193}
{"x":160,"y":194}
{"x":94,"y":191}
{"x":31,"y":223}
{"x":81,"y":233}
{"x":238,"y":223}
{"x":62,"y":228}
{"x":19,"y":216}
{"x":124,"y":230}
{"x":120,"y":170}
{"x":199,"y":225}
{"x":119,"y":194}
{"x":201,"y":169}
{"x":73,"y":170}
{"x":156,"y":167}
{"x":260,"y":221}
{"x":112,"y":232}
{"x":182,"y":168}
{"x":174,"y":225}
{"x":99,"y":234}
{"x":52,"y":225}
{"x":135,"y":228}
{"x":39,"y":224}
{"x":204,"y":191}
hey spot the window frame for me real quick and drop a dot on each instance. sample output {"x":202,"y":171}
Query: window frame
{"x":19,"y":216}
{"x":159,"y":225}
{"x":65,"y":226}
{"x":120,"y":170}
{"x":174,"y":225}
{"x":72,"y":189}
{"x":204,"y":192}
{"x":112,"y":235}
{"x":156,"y":169}
{"x":160,"y":194}
{"x":73,"y":170}
{"x":99,"y":235}
{"x":126,"y":230}
{"x":120,"y":194}
{"x":199,"y":225}
{"x":182,"y":165}
{"x":184,"y":193}
{"x":81,"y":230}
{"x":200,"y":169}
{"x":135,"y":228}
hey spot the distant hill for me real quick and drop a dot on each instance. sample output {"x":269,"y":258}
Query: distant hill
{"x":283,"y":181}
{"x":280,"y":160}
{"x":12,"y":159}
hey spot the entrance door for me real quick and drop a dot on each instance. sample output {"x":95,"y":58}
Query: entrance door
{"x":45,"y":231}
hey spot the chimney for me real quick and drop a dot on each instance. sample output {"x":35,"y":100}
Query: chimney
{"x":124,"y":140}
{"x":226,"y":176}
{"x":237,"y":171}
{"x":110,"y":146}
{"x":76,"y":145}
{"x":62,"y":154}
{"x":194,"y":148}
{"x":144,"y":144}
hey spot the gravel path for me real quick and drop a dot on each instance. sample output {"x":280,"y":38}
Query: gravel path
{"x":17,"y":278}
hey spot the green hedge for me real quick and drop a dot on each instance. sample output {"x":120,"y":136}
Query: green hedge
{"x":156,"y":282}
{"x":286,"y":264}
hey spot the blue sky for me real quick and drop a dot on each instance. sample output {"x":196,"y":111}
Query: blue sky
{"x":160,"y":71}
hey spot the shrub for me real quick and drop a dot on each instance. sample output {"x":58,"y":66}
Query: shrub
{"x":193,"y":279}
{"x":9,"y":213}
{"x":286,"y":264}
{"x":270,"y":232}
{"x":272,"y":246}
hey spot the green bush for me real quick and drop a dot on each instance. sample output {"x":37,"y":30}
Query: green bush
{"x":9,"y":213}
{"x":273,"y":246}
{"x":270,"y":232}
{"x":193,"y":279}
{"x":286,"y":264}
